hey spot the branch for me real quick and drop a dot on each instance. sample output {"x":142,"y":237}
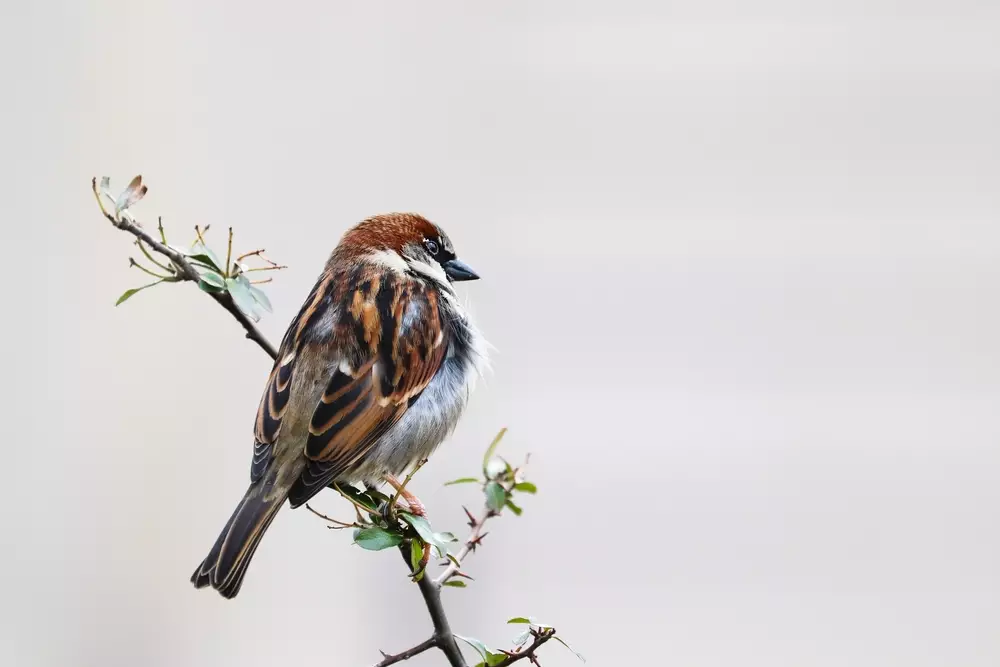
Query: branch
{"x":541,"y":636}
{"x":185,"y":271}
{"x":474,"y":539}
{"x":443,"y":637}
{"x":406,"y":655}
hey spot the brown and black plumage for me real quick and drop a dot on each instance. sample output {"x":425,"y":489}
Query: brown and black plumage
{"x":371,"y":375}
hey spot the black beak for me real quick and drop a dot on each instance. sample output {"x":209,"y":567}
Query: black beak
{"x":458,"y":270}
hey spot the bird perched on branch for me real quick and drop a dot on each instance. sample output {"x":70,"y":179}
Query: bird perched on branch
{"x":372,"y":374}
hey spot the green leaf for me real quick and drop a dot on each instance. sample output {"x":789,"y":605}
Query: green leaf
{"x":203,"y":259}
{"x":213,"y":278}
{"x":495,"y":496}
{"x":211,"y":282}
{"x":376,"y":539}
{"x":416,"y":555}
{"x":526,"y":487}
{"x":377,"y":496}
{"x":454,"y":583}
{"x":132,"y":292}
{"x":513,"y":508}
{"x":205,"y":287}
{"x":359,"y":497}
{"x":445,"y":537}
{"x":261,"y":298}
{"x":439,"y":541}
{"x":127,"y":295}
{"x":202,"y":253}
{"x":421,"y":525}
{"x":575,"y":652}
{"x":518,"y":620}
{"x":495,"y":659}
{"x":258,"y":308}
{"x":522,"y":638}
{"x":242,"y":297}
{"x":480,"y":647}
{"x":462,"y":480}
{"x":493,"y":447}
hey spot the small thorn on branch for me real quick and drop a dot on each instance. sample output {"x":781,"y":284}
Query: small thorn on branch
{"x":475,"y":542}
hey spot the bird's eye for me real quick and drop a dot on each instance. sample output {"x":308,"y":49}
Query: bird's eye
{"x":431,"y":246}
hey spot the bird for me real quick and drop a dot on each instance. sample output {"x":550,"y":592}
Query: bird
{"x":371,"y":376}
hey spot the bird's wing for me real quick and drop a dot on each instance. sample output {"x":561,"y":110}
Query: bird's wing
{"x":386,"y":343}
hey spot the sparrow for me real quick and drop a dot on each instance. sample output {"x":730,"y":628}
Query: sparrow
{"x":371,"y":376}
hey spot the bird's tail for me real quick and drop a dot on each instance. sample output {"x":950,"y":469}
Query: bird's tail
{"x":226,"y":564}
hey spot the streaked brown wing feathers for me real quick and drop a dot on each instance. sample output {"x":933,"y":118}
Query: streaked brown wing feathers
{"x":386,"y":342}
{"x":404,"y":350}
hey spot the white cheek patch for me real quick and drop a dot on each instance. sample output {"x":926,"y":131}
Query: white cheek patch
{"x":389,"y":259}
{"x":432,"y":270}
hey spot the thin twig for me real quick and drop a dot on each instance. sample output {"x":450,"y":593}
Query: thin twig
{"x":229,"y":252}
{"x":273,"y":267}
{"x":475,"y":537}
{"x":187,"y":272}
{"x":541,"y":636}
{"x":132,"y":262}
{"x":339,"y":524}
{"x":150,"y":257}
{"x":258,"y":251}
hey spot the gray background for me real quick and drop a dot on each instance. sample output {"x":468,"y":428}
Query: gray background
{"x":740,"y":267}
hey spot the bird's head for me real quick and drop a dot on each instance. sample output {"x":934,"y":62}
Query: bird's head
{"x":406,"y":242}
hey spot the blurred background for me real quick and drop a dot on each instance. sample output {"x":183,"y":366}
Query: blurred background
{"x":740,"y":265}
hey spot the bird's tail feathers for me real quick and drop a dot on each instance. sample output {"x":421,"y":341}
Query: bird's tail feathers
{"x":226,"y":564}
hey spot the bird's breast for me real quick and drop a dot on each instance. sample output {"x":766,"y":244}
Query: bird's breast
{"x":434,"y":414}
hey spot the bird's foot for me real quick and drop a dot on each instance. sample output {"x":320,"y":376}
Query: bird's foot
{"x":412,"y":503}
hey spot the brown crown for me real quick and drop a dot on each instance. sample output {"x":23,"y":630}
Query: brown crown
{"x":390,"y":231}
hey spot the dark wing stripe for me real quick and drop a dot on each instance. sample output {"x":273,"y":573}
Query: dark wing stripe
{"x":313,"y":479}
{"x":340,"y":384}
{"x":318,"y":474}
{"x":345,"y":415}
{"x":278,"y":401}
{"x":285,"y":373}
{"x":387,"y":300}
{"x":318,"y":303}
{"x":346,"y":397}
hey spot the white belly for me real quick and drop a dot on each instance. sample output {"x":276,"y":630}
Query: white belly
{"x":432,"y":417}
